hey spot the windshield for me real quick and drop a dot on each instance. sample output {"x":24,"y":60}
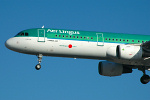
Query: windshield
{"x":22,"y":34}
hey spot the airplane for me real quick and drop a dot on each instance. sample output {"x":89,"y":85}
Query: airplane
{"x":121,"y":52}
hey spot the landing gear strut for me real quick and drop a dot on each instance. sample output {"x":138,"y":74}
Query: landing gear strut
{"x":145,"y":78}
{"x":38,"y":66}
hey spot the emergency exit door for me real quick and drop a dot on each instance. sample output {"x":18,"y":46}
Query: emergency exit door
{"x":41,"y":35}
{"x":100,"y":39}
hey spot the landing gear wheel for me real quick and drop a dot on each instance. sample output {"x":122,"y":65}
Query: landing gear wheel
{"x":145,"y":79}
{"x":38,"y":66}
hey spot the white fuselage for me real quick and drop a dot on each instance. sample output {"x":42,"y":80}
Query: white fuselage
{"x":56,"y":47}
{"x":65,"y":48}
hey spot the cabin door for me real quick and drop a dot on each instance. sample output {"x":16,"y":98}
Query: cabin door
{"x":100,"y":39}
{"x":41,"y":35}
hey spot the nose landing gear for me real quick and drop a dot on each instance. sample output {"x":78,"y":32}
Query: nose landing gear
{"x":38,"y":66}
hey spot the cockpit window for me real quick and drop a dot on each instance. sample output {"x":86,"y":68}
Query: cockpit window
{"x":26,"y":34}
{"x":22,"y":34}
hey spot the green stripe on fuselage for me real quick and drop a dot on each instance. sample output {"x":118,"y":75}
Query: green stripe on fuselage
{"x":87,"y":35}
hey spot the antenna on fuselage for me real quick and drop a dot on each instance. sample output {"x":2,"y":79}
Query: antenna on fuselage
{"x":43,"y":26}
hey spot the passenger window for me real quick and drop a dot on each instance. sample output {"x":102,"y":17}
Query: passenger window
{"x":66,"y":36}
{"x":105,"y":38}
{"x":70,"y":36}
{"x":73,"y":36}
{"x":132,"y":40}
{"x":113,"y":39}
{"x":26,"y":34}
{"x":91,"y":37}
{"x":84,"y":37}
{"x":127,"y":40}
{"x":55,"y":35}
{"x":109,"y":39}
{"x":120,"y":39}
{"x":123,"y":39}
{"x":87,"y":37}
{"x":81,"y":37}
{"x":116,"y":39}
{"x":138,"y":40}
{"x":63,"y":36}
{"x":59,"y":35}
{"x":77,"y":37}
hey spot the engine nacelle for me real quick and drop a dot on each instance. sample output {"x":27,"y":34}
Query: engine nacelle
{"x":107,"y":68}
{"x":128,"y":52}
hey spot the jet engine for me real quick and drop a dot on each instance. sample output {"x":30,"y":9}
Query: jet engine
{"x":107,"y":68}
{"x":128,"y":52}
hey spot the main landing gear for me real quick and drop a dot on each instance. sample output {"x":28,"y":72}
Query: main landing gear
{"x":145,"y":78}
{"x":38,"y":66}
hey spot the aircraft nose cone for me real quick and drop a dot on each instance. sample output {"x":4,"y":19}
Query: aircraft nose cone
{"x":9,"y":43}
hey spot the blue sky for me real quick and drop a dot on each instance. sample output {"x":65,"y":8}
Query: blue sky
{"x":66,"y":78}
